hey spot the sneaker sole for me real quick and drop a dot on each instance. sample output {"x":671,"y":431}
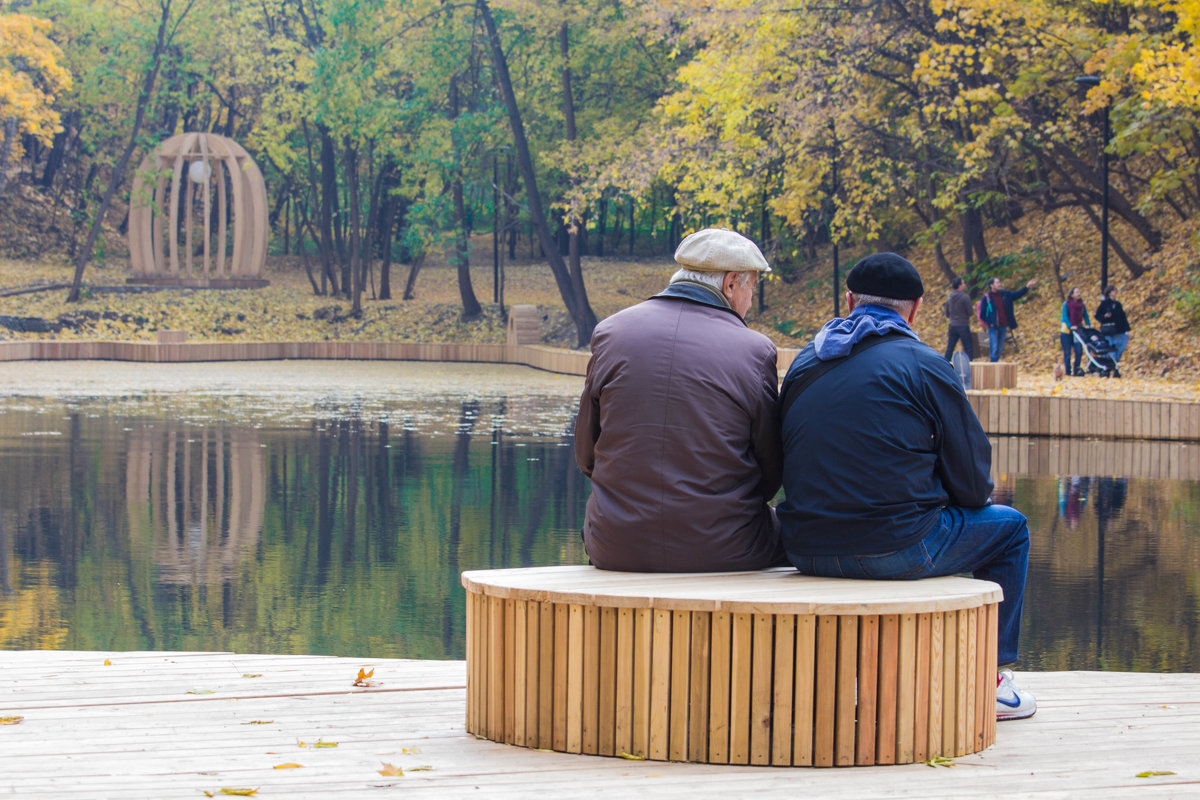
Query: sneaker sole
{"x":1015,"y":715}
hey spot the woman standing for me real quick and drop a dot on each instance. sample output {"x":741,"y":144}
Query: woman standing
{"x":1113,"y":324}
{"x":1074,"y":315}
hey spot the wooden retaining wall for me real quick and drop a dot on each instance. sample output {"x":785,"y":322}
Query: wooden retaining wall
{"x":1129,"y":458}
{"x":1101,"y":418}
{"x":1001,"y":414}
{"x":567,"y":362}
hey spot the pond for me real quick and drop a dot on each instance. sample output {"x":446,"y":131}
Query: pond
{"x":328,"y":508}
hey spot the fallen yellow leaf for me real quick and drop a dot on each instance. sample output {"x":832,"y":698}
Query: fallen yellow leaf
{"x":317,"y":743}
{"x":259,"y":722}
{"x":390,"y":770}
{"x":422,"y":768}
{"x":251,"y":674}
{"x":1152,"y":773}
{"x":239,"y":792}
{"x":631,"y":756}
{"x":363,"y":675}
{"x":107,"y":663}
{"x":11,"y":720}
{"x":289,"y":765}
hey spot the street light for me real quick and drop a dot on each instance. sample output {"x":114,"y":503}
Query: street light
{"x":1090,"y":82}
{"x":837,"y":312}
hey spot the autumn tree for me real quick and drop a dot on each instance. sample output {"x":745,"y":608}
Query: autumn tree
{"x":31,"y":77}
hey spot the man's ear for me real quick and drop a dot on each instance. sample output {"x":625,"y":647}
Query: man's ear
{"x":912,"y":315}
{"x":728,"y":283}
{"x":849,"y":302}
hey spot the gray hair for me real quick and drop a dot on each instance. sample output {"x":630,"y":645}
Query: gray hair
{"x":902,"y":307}
{"x":714,"y":279}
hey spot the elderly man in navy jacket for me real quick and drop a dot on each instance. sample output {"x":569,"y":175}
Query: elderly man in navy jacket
{"x":886,"y":467}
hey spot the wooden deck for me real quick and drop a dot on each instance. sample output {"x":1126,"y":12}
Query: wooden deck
{"x":167,"y":725}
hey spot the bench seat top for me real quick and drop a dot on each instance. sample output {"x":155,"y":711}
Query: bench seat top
{"x":773,"y":591}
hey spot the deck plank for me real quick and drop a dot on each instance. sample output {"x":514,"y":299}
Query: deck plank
{"x":130,"y":729}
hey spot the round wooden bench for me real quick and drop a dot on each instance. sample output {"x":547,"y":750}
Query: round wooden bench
{"x":769,"y":667}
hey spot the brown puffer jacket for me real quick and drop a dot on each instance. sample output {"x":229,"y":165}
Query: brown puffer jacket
{"x":678,"y":431}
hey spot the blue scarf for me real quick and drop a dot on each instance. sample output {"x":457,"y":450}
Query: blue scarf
{"x":835,"y":339}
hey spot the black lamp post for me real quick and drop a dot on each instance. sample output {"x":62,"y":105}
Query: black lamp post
{"x":1090,"y":81}
{"x":837,"y":311}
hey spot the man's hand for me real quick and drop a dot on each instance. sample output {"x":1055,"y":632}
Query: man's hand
{"x":1032,"y":283}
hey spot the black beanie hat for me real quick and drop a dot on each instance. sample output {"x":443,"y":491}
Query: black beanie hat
{"x":886,"y":275}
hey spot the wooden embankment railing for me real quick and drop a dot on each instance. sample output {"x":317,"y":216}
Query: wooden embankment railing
{"x":1101,"y":418}
{"x":1001,"y":413}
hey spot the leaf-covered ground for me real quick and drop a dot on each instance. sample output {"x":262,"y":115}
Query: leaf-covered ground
{"x":1163,"y":359}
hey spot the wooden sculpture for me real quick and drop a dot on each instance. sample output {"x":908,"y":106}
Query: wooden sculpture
{"x":198,"y":215}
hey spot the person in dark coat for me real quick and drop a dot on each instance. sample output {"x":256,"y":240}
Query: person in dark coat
{"x":958,"y":310}
{"x":1114,"y":326}
{"x":997,"y":316}
{"x":886,"y":471}
{"x":678,"y":425}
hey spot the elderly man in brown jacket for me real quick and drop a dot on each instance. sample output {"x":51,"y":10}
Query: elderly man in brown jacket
{"x":678,"y":428}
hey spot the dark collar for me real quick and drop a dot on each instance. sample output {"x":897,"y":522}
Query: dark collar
{"x":695,"y":292}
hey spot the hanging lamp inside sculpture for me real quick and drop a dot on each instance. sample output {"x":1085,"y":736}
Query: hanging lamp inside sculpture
{"x":198,"y":215}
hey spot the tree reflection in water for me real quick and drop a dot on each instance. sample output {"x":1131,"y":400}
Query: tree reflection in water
{"x":345,"y":534}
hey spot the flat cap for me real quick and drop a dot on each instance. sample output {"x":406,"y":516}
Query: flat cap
{"x":886,"y":275}
{"x":720,"y":250}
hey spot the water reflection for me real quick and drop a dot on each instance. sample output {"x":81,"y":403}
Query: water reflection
{"x":1114,"y":574}
{"x":341,"y":526}
{"x":195,"y":498}
{"x":344,"y":537}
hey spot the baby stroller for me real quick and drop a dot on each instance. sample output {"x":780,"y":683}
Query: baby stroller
{"x":1099,"y":352}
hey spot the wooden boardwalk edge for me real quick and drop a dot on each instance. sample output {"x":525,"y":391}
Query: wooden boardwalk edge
{"x":1002,"y":413}
{"x":175,"y":725}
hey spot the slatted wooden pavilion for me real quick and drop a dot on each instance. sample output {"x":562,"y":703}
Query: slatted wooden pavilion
{"x":198,"y":215}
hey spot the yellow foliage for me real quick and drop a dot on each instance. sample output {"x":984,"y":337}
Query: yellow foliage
{"x":31,"y":76}
{"x":30,"y":617}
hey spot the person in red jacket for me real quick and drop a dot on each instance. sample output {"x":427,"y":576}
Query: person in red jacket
{"x":997,"y":316}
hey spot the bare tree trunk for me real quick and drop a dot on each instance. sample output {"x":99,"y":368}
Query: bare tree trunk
{"x":943,"y":262}
{"x":974,"y":246}
{"x":331,"y":229}
{"x":356,"y":255}
{"x":387,"y":220}
{"x":462,"y":255}
{"x":304,"y":250}
{"x":576,"y":223}
{"x":410,"y":285}
{"x":118,"y":175}
{"x":1117,"y":201}
{"x":581,"y":313}
{"x":6,"y":148}
{"x":328,"y":275}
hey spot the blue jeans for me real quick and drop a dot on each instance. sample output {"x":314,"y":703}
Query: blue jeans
{"x":996,"y":337}
{"x":1069,"y":343}
{"x":992,"y":543}
{"x":1118,"y":341}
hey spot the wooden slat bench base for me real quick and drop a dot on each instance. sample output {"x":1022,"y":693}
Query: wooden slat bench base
{"x":767,"y":667}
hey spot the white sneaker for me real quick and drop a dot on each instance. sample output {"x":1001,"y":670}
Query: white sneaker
{"x":1012,"y":702}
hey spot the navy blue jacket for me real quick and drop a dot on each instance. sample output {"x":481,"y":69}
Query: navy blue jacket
{"x":875,"y":448}
{"x":987,"y":309}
